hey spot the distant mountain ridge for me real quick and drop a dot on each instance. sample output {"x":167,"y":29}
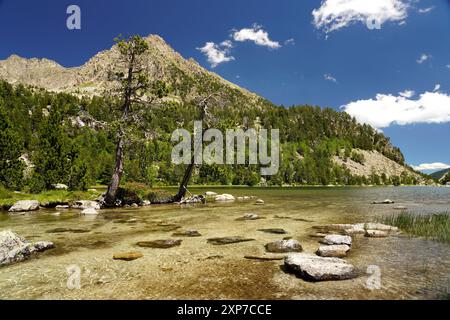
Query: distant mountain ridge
{"x":440,"y":174}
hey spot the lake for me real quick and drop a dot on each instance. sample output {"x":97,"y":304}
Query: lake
{"x":411,"y":268}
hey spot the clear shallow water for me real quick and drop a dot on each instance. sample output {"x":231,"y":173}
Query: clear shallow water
{"x":411,"y":268}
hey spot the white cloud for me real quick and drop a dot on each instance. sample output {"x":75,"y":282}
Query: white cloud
{"x":426,"y":10}
{"x":437,"y":87}
{"x":227,"y":44}
{"x":448,"y":66}
{"x":289,"y":42}
{"x":407,"y":94}
{"x":386,"y":109}
{"x":431,"y":166}
{"x":424,"y":57}
{"x":217,"y":54}
{"x":336,"y":14}
{"x":329,"y":77}
{"x":257,"y":35}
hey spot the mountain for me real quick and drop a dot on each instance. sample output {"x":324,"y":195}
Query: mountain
{"x":91,"y":78}
{"x":440,"y":174}
{"x":319,"y":146}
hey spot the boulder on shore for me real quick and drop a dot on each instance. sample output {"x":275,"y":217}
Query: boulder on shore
{"x":25,"y":206}
{"x":14,"y":248}
{"x":60,"y":186}
{"x":86,"y":204}
{"x":335,"y":251}
{"x":313,"y":268}
{"x":284,"y":246}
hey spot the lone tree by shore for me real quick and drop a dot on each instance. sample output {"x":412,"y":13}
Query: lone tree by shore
{"x":132,"y":92}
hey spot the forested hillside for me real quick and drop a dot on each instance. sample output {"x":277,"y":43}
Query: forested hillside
{"x":65,"y":138}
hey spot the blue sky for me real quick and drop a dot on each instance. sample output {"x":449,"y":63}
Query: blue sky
{"x":280,"y":50}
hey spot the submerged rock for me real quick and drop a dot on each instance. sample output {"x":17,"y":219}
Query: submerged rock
{"x":334,"y":239}
{"x":225,"y":197}
{"x":160,"y":244}
{"x":313,"y":268}
{"x":187,"y":233}
{"x":14,"y":248}
{"x":228,"y":240}
{"x":400,"y":208}
{"x":127,"y":256}
{"x":25,"y":206}
{"x":263,"y":258}
{"x":283,"y":246}
{"x":64,"y":230}
{"x":387,"y":201}
{"x":274,"y":231}
{"x":249,"y":217}
{"x":336,"y":251}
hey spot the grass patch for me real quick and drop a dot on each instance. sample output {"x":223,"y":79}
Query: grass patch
{"x":435,"y":226}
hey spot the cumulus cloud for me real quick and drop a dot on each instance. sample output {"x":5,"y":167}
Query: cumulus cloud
{"x":437,"y":87}
{"x":431,"y":166}
{"x":387,"y":109}
{"x":257,"y":35}
{"x":424,"y":57}
{"x":426,"y":10}
{"x":329,"y":77}
{"x":407,"y":93}
{"x":217,"y":54}
{"x":336,"y":14}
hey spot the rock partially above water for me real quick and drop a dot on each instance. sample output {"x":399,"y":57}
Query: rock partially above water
{"x":225,"y":197}
{"x":210,"y":194}
{"x":89,"y":212}
{"x":260,"y":201}
{"x":14,"y":248}
{"x":284,"y":246}
{"x":376,"y":234}
{"x":313,"y":268}
{"x":228,"y":240}
{"x":160,"y":244}
{"x":127,"y":256}
{"x":380,"y":227}
{"x":187,"y":233}
{"x":336,"y":251}
{"x":274,"y":231}
{"x":25,"y":206}
{"x":337,"y":239}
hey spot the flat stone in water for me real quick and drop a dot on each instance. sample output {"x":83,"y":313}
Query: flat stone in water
{"x":335,"y":251}
{"x":337,"y":240}
{"x":187,"y":233}
{"x":228,"y":240}
{"x":160,"y":244}
{"x":376,"y":234}
{"x":264,"y":258}
{"x":64,"y":230}
{"x":284,"y":246}
{"x":274,"y":231}
{"x":313,"y":268}
{"x":127,"y":256}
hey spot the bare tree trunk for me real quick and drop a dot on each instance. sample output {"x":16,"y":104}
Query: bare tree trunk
{"x":184,"y":183}
{"x":110,"y":197}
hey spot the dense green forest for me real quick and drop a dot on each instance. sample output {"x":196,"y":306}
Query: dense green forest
{"x":69,"y":140}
